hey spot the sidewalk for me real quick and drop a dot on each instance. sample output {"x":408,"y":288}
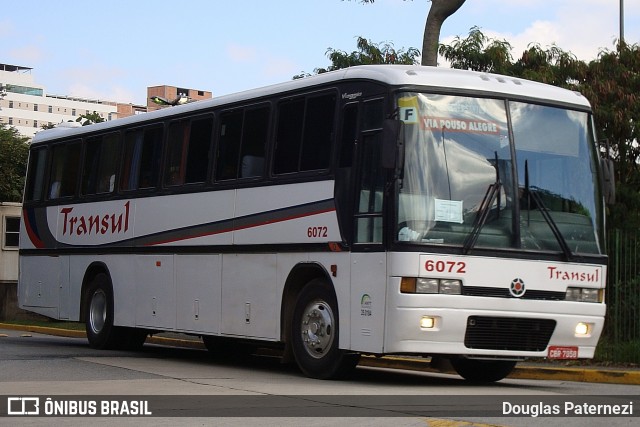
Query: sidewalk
{"x":524,"y":370}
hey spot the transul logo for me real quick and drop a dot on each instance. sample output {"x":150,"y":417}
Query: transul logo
{"x":517,"y":288}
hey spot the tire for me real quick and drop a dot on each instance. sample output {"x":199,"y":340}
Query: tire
{"x":130,"y":338}
{"x":98,"y":314}
{"x":482,"y":371}
{"x":315,"y":334}
{"x":227,"y":348}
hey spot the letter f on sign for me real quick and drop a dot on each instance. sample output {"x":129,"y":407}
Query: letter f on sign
{"x":408,"y":115}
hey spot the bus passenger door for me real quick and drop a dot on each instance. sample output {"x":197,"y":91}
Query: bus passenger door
{"x":368,"y":267}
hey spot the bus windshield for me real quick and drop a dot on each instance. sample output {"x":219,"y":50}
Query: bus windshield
{"x":469,"y":182}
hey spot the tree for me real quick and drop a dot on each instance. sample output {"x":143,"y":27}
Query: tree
{"x":478,"y":52}
{"x":367,"y":53}
{"x":89,"y":118}
{"x":439,"y":11}
{"x":14,"y":151}
{"x":612,"y":83}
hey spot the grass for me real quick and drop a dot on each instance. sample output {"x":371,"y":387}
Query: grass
{"x":625,"y":353}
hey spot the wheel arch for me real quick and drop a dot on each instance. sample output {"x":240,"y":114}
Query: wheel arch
{"x":299,"y":276}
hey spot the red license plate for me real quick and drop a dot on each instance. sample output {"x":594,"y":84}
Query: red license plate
{"x":556,"y":352}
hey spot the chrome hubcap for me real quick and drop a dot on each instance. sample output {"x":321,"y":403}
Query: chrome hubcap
{"x":98,"y":311}
{"x":317,"y":328}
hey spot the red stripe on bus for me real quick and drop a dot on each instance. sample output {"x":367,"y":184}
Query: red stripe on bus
{"x":35,"y":239}
{"x":231,"y":229}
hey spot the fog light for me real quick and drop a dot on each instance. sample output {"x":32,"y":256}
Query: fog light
{"x":583,"y":329}
{"x":427,"y":322}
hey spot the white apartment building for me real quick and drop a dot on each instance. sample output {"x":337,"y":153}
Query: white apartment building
{"x":27,"y":107}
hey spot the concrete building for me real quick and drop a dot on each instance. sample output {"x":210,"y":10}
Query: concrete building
{"x":10,"y":228}
{"x":171,"y":93}
{"x":27,"y":107}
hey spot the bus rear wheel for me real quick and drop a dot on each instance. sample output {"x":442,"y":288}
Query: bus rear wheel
{"x":314,"y":334}
{"x":482,"y":371}
{"x":98,"y":315}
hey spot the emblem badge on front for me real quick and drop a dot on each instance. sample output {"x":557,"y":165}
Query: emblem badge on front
{"x":517,"y":288}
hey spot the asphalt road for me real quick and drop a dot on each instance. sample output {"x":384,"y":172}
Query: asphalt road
{"x":258,"y":390}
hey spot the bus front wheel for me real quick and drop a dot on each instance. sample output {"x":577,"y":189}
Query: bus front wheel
{"x":315,"y":333}
{"x":482,"y":371}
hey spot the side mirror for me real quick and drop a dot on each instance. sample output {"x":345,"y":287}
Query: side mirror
{"x":392,"y":143}
{"x":608,"y":181}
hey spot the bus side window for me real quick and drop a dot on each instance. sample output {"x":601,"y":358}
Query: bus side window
{"x":101,"y":157}
{"x":371,"y":181}
{"x":64,"y":170}
{"x":188,"y":145}
{"x":289,"y":136}
{"x":199,"y":151}
{"x":229,"y":145}
{"x":349,"y":134}
{"x":305,"y":134}
{"x":318,"y":132}
{"x":143,"y":148}
{"x":177,"y":144}
{"x":35,"y":179}
{"x":254,"y":140}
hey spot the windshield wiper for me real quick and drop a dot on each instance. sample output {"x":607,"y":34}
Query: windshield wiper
{"x":533,"y":193}
{"x":481,"y":216}
{"x":492,"y":193}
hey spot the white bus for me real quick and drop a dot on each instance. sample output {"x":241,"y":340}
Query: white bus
{"x":373,"y":210}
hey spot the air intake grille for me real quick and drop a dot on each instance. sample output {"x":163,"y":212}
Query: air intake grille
{"x":508,"y":333}
{"x":483,"y":291}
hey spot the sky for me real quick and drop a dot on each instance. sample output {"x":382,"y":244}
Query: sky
{"x":113,"y":50}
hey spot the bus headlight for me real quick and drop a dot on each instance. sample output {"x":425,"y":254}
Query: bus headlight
{"x":422,"y":285}
{"x":427,"y":286}
{"x":584,"y":295}
{"x":450,"y":287}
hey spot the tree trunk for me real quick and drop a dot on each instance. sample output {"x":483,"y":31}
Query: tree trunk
{"x":439,"y":11}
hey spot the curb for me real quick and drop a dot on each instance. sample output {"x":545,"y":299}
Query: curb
{"x":522,"y":371}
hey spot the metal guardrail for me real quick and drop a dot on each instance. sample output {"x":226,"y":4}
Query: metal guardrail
{"x":621,"y":338}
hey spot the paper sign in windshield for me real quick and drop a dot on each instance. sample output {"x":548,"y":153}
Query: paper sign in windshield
{"x":449,"y":211}
{"x":460,"y":125}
